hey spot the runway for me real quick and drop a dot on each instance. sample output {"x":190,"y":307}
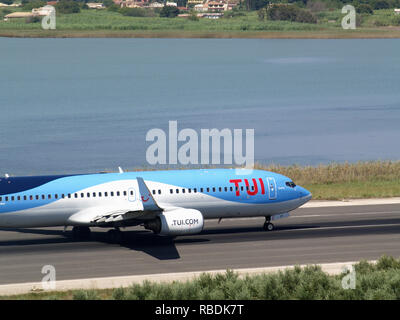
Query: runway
{"x":310,"y":235}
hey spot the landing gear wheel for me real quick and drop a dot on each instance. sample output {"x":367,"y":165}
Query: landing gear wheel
{"x":268,"y":226}
{"x":114,"y":236}
{"x":81,"y":233}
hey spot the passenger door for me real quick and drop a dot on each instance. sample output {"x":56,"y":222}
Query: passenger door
{"x":272,"y":192}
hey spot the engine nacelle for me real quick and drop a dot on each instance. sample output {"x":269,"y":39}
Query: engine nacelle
{"x":177,"y":222}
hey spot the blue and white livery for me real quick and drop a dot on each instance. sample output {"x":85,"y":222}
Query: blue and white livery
{"x":171,"y":202}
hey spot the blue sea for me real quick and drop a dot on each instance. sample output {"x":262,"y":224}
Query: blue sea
{"x":85,"y":105}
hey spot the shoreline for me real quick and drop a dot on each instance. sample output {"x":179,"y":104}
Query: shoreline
{"x":179,"y":34}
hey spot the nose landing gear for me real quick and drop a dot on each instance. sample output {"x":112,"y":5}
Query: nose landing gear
{"x":268,"y":226}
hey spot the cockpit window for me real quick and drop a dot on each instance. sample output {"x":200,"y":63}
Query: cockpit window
{"x":290,"y":184}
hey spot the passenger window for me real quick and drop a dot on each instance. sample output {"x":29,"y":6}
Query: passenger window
{"x":171,"y":191}
{"x":99,"y":194}
{"x":190,"y":190}
{"x":43,"y":197}
{"x":154,"y":191}
{"x":112,"y":193}
{"x":201,"y":189}
{"x":56,"y":196}
{"x":208,"y":189}
{"x":213,"y":189}
{"x":82,"y":195}
{"x":118,"y":193}
{"x":19,"y":198}
{"x":94,"y":194}
{"x":183,"y":190}
{"x":106,"y":194}
{"x":88,"y":195}
{"x":6,"y":198}
{"x":37,"y":197}
{"x":125,"y":193}
{"x":177,"y":190}
{"x":159,"y":191}
{"x":30,"y":197}
{"x":12,"y":198}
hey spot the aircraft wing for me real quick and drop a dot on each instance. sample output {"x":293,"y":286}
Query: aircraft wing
{"x":145,"y":209}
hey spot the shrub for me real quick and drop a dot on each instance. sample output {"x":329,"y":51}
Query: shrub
{"x":193,"y":16}
{"x":316,"y":6}
{"x":290,"y":13}
{"x":381,"y":4}
{"x":67,"y":7}
{"x":364,"y":8}
{"x":33,"y":4}
{"x":133,"y":12}
{"x":169,"y":12}
{"x":32,"y":20}
{"x":113,"y":8}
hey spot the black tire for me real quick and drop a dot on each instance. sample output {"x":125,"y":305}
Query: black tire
{"x":81,"y":233}
{"x":268,"y":226}
{"x":114,"y":236}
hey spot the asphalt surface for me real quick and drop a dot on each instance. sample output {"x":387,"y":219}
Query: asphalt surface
{"x":312,"y":235}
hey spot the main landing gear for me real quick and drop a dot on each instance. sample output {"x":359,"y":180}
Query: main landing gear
{"x":81,"y":233}
{"x":268,"y":226}
{"x":115,"y":235}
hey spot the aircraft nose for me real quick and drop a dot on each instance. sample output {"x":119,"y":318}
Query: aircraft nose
{"x":304,"y":193}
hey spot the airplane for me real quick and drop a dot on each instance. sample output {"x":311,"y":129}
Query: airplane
{"x":167,"y":202}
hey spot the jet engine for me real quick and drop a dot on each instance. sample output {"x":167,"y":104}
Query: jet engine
{"x":177,"y":222}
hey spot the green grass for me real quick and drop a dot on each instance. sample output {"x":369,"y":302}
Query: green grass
{"x":106,"y":20}
{"x":373,"y":281}
{"x":377,"y":179}
{"x":115,"y":24}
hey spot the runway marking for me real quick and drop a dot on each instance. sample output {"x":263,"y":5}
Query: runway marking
{"x":350,"y":202}
{"x":342,"y":227}
{"x":344,"y":213}
{"x":299,"y":215}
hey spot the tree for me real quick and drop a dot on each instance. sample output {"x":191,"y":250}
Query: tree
{"x":381,"y":4}
{"x":28,"y":6}
{"x":68,"y":6}
{"x":7,"y":2}
{"x":108,"y":3}
{"x":169,"y":12}
{"x":290,"y":13}
{"x":364,"y":8}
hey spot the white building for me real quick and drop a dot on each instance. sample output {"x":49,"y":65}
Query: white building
{"x":397,"y":11}
{"x":200,"y":8}
{"x":95,"y":5}
{"x":43,"y":11}
{"x":156,"y":5}
{"x":171,"y":4}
